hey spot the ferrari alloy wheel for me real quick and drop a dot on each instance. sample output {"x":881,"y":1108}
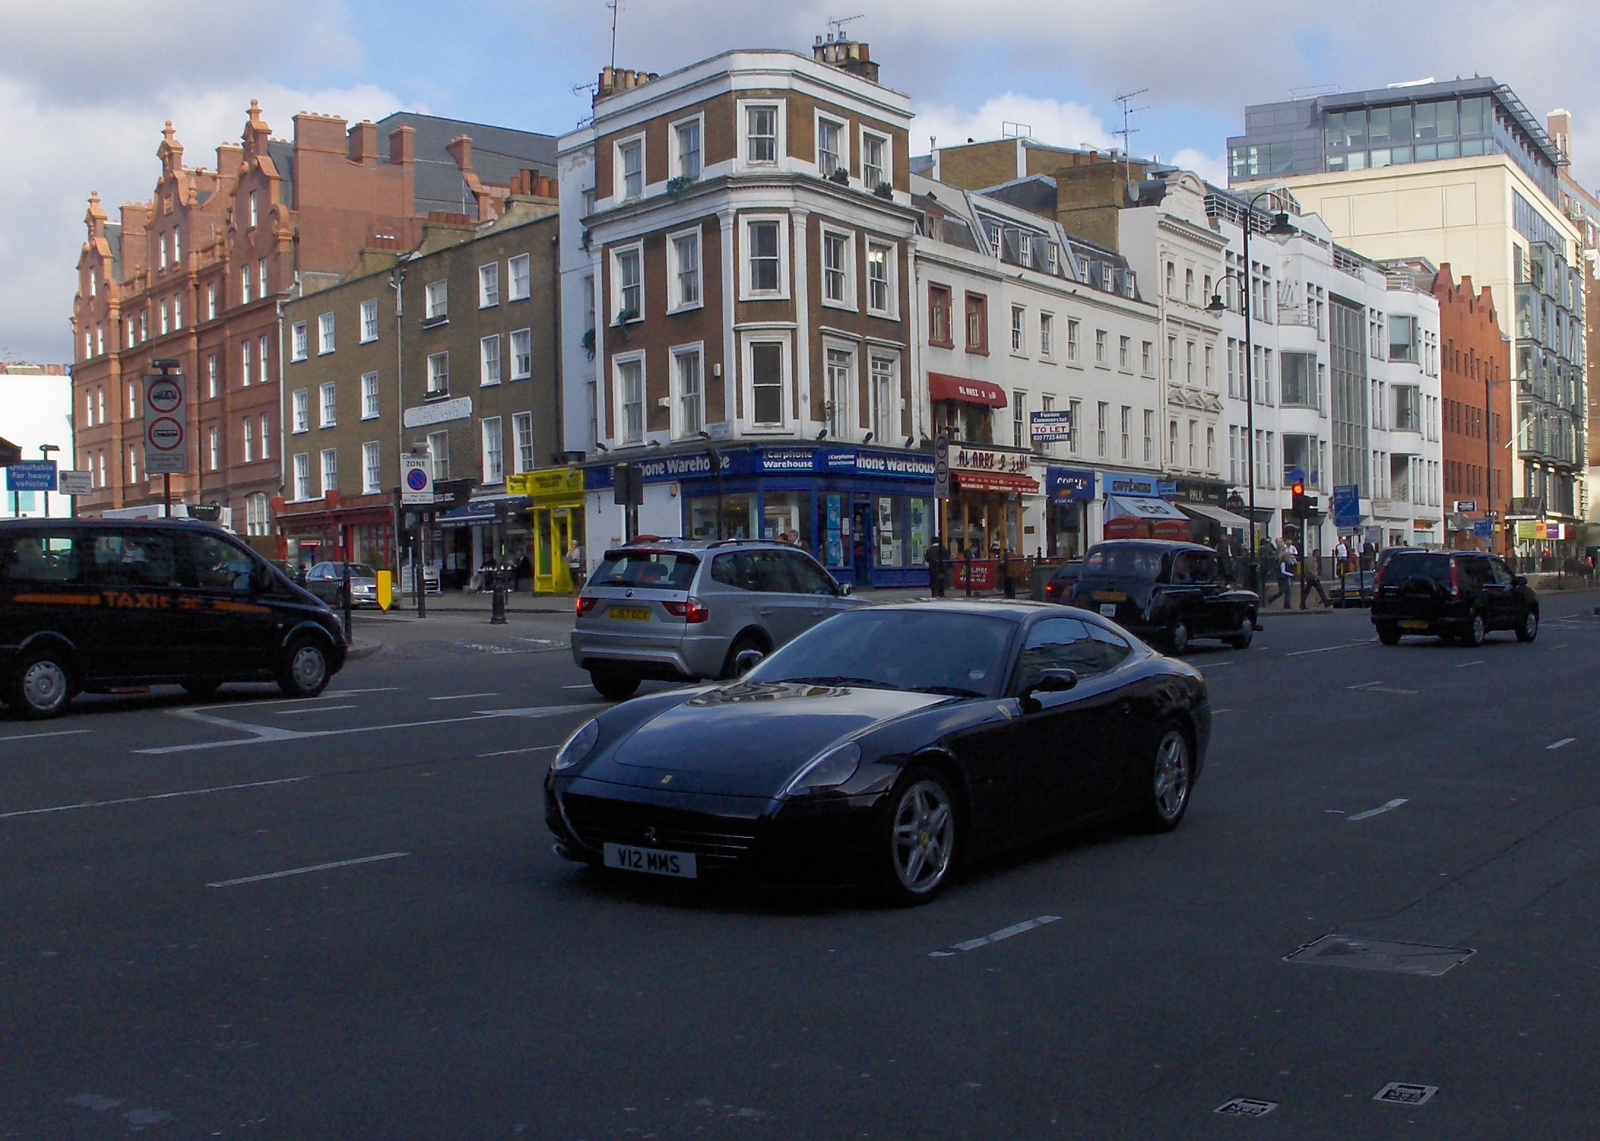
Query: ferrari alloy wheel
{"x":922,"y":837}
{"x":1178,"y":637}
{"x":1171,"y":777}
{"x":1528,"y":628}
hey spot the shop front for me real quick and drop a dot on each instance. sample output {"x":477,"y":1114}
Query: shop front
{"x":989,"y":486}
{"x":557,"y":525}
{"x":359,"y":529}
{"x":485,"y":531}
{"x":865,"y":514}
{"x":1212,"y":521}
{"x":1069,"y":493}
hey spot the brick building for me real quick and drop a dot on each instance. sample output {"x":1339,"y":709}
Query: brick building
{"x":466,"y":367}
{"x":196,"y":274}
{"x":1475,"y":366}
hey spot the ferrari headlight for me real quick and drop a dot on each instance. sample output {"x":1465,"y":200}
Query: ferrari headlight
{"x":577,"y":746}
{"x":829,"y":770}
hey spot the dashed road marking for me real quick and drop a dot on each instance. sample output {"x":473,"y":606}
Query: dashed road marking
{"x":1474,"y":662}
{"x":1378,"y":811}
{"x":1379,"y":687}
{"x":995,"y":936}
{"x":1329,"y":649}
{"x":36,"y":736}
{"x":1559,"y":744}
{"x":462,"y":696}
{"x":529,"y":749}
{"x":313,"y":709}
{"x":154,"y":796}
{"x":312,"y":868}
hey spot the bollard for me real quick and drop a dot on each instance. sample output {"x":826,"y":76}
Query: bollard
{"x":344,"y":602}
{"x":497,"y":609}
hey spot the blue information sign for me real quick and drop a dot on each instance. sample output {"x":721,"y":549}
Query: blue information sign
{"x":31,"y":475}
{"x":1483,"y":528}
{"x":1347,"y":506}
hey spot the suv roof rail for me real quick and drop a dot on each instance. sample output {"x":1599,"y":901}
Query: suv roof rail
{"x":737,"y":542}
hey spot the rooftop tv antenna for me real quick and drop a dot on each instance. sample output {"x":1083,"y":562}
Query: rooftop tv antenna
{"x":837,"y":23}
{"x":614,"y":5}
{"x":1127,"y":132}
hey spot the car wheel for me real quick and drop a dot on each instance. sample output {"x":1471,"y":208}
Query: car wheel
{"x":1178,"y":637}
{"x":1388,"y":633}
{"x":1247,"y":633}
{"x":1171,"y":778}
{"x":918,"y":842}
{"x":1528,"y":628}
{"x":304,"y":669}
{"x":41,"y":686}
{"x":1473,"y":635}
{"x":614,"y":683}
{"x":201,"y":687}
{"x":730,"y":668}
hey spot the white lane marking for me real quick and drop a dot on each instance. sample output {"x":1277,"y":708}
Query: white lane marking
{"x":1228,"y":710}
{"x":1560,"y":743}
{"x":1562,"y":646}
{"x":312,"y":868}
{"x":1216,"y":665}
{"x":313,"y":709}
{"x":580,"y":685}
{"x":1329,"y":649}
{"x":325,"y":695}
{"x":1379,"y":687}
{"x":36,"y":736}
{"x":529,"y":749}
{"x":153,"y":796}
{"x":1473,"y":662}
{"x":1378,"y":811}
{"x":266,"y":733}
{"x":462,"y":696}
{"x":996,"y":936}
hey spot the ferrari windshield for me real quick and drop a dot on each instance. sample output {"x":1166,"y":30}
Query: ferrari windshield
{"x":923,"y":650}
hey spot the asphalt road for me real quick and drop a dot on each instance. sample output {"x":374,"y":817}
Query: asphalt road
{"x":342,"y":918}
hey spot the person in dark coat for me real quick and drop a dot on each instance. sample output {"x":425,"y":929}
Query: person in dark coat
{"x":938,"y":560}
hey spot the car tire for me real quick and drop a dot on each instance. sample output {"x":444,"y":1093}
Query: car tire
{"x":1388,"y":633}
{"x":918,"y":838}
{"x":614,"y":683}
{"x":1528,"y":628}
{"x":1472,"y":636}
{"x":1178,"y":637}
{"x":1170,"y":780}
{"x":731,"y":665}
{"x":41,"y":685}
{"x":304,"y":671}
{"x":1246,"y":634}
{"x":201,"y":687}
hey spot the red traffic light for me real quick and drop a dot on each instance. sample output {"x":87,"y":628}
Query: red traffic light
{"x":1299,"y":487}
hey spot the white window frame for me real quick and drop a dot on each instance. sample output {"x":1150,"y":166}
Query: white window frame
{"x":624,"y":433}
{"x":246,"y":356}
{"x":370,"y":408}
{"x":675,"y":165}
{"x":490,"y":362}
{"x":371,"y":468}
{"x":524,"y":264}
{"x":1047,"y":336}
{"x":780,"y":142}
{"x":619,"y":169}
{"x":244,"y":285}
{"x":747,"y":290}
{"x":436,"y":300}
{"x":325,"y":334}
{"x":261,"y":272}
{"x":494,"y":451}
{"x":438,"y":366}
{"x":681,"y":424}
{"x":784,"y":339}
{"x":849,"y":292}
{"x":489,"y":285}
{"x":618,"y":300}
{"x":329,"y":470}
{"x":263,"y":364}
{"x":522,"y":458}
{"x":886,"y":172}
{"x":211,"y":376}
{"x":255,"y":207}
{"x":1074,"y":326}
{"x":891,"y":262}
{"x":328,"y":405}
{"x":214,"y":447}
{"x":840,"y":385}
{"x":299,"y":341}
{"x":211,"y":301}
{"x":524,"y":338}
{"x":841,"y":160}
{"x":439,"y":454}
{"x":302,"y":476}
{"x":883,"y":395}
{"x":369,"y":321}
{"x":1019,"y":330}
{"x":266,"y":439}
{"x":300,"y":403}
{"x":678,"y":303}
{"x":166,"y":317}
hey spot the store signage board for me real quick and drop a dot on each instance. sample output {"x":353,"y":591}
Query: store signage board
{"x":166,"y":435}
{"x":442,"y":412}
{"x":989,"y":460}
{"x":1069,"y":485}
{"x":416,"y":481}
{"x":76,"y":482}
{"x":1466,"y":506}
{"x":1346,"y":503}
{"x":1050,"y":427}
{"x":31,"y":475}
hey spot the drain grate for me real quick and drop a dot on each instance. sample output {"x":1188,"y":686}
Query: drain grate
{"x":1405,"y":1093}
{"x":1380,"y":955}
{"x":1245,"y":1107}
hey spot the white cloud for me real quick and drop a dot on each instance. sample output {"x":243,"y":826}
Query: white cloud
{"x":1047,"y":120}
{"x":1212,"y":168}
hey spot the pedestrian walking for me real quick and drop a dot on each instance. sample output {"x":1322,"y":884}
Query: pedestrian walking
{"x":575,"y":564}
{"x":938,"y":560}
{"x":1286,"y":567}
{"x":1342,"y":553}
{"x":1310,"y":581}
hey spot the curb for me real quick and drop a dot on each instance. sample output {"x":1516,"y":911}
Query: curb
{"x":362,"y":650}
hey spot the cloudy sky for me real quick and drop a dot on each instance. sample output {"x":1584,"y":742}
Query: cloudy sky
{"x":86,"y":84}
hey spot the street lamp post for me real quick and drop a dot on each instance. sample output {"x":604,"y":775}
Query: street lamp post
{"x":45,"y":450}
{"x":1280,"y":227}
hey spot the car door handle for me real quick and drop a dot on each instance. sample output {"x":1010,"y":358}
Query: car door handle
{"x":765,"y":613}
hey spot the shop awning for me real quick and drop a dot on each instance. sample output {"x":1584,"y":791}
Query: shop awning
{"x":1211,"y":511}
{"x":1457,"y":522}
{"x":942,"y":386}
{"x":994,"y":481}
{"x":1142,"y":508}
{"x":476,"y":512}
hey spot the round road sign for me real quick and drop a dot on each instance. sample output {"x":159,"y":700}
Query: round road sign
{"x":164,"y":395}
{"x":417,"y":479}
{"x":164,"y":434}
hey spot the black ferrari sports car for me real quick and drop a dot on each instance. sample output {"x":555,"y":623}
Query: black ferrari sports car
{"x":887,"y":745}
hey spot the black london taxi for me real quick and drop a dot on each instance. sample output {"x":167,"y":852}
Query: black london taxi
{"x":1165,"y":592}
{"x":89,"y":604}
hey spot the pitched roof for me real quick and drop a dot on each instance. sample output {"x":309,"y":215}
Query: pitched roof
{"x":498,"y":154}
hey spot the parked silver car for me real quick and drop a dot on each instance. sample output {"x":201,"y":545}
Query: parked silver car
{"x":685,"y":610}
{"x":325,"y":580}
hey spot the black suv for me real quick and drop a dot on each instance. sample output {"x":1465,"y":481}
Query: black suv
{"x":1165,"y":592}
{"x":1453,"y":595}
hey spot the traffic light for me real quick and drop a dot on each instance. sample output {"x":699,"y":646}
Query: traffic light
{"x":1301,"y":504}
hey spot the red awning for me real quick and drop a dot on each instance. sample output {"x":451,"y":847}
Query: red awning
{"x":992,"y":481}
{"x":942,"y":386}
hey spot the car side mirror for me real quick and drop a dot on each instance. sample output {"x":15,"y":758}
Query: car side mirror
{"x":845,"y":589}
{"x":1519,"y":580}
{"x":745,"y":661}
{"x":1048,"y":681}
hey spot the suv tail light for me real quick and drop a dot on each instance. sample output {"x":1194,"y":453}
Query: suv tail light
{"x":586,"y":604}
{"x":690,"y":610}
{"x":1455,"y":579}
{"x":1377,"y":579}
{"x":1052,"y":591}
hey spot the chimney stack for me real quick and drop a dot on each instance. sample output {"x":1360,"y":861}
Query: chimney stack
{"x":363,"y":143}
{"x":846,"y":55}
{"x":1559,"y":125}
{"x":402,"y":145}
{"x":616,"y":80}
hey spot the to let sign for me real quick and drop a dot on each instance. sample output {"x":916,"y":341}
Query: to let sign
{"x":166,"y":436}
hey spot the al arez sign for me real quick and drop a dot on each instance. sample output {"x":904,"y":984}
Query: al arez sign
{"x":984,"y":460}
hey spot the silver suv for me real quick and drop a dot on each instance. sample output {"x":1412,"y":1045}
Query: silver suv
{"x":684,"y":610}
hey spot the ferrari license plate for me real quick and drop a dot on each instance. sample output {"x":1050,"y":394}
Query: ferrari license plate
{"x":1108,"y":609}
{"x":1413,"y":624}
{"x":629,"y":613}
{"x":651,"y":860}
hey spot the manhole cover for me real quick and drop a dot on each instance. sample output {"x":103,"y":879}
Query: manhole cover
{"x":1405,"y":1093}
{"x":1380,"y":955}
{"x":1245,"y":1107}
